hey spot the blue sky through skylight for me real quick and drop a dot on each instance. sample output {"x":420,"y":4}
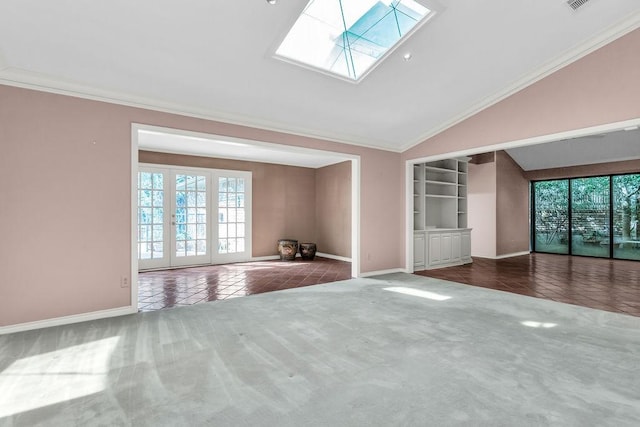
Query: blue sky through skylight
{"x":347,"y":37}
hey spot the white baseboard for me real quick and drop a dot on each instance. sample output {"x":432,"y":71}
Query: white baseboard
{"x":66,"y":320}
{"x":276,"y":257}
{"x":336,"y":257}
{"x":502,"y":256}
{"x":255,"y":258}
{"x":512,"y":255}
{"x":264,"y":258}
{"x":380,"y":272}
{"x":252,"y":259}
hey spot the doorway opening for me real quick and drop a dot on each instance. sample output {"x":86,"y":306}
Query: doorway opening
{"x":541,"y":141}
{"x":192,"y":229}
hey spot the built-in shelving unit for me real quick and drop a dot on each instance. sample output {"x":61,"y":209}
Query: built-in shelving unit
{"x":441,"y":236}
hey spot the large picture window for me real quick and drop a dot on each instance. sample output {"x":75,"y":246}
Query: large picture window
{"x":595,"y":216}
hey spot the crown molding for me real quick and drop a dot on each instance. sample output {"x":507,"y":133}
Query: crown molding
{"x":11,"y":76}
{"x":602,"y":39}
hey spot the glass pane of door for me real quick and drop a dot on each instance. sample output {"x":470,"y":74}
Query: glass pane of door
{"x":151,"y":219}
{"x":551,"y":232}
{"x":626,"y":213}
{"x":183,"y":213}
{"x":590,"y":216}
{"x":231,"y":215}
{"x":190,"y":219}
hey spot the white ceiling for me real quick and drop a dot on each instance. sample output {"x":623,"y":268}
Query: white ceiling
{"x":232,"y":148}
{"x":213,"y":59}
{"x":587,"y":150}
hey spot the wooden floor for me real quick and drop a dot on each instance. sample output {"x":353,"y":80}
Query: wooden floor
{"x":604,"y":284}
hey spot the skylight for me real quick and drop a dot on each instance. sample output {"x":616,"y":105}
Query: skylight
{"x":348,"y":37}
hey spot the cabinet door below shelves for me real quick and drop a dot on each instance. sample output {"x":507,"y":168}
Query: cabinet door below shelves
{"x":465,"y":245}
{"x":445,"y":247}
{"x":418,"y":249}
{"x":455,"y":246}
{"x":434,"y":249}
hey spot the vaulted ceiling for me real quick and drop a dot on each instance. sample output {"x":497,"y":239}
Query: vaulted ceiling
{"x":214,"y":59}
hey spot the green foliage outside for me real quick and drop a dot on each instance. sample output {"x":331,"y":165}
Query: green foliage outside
{"x":627,"y":202}
{"x":590,"y":211}
{"x":552,"y":214}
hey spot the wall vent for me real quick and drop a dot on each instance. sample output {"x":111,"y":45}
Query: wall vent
{"x":575,"y":4}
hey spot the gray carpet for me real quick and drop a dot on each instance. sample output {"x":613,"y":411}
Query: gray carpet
{"x":341,"y":354}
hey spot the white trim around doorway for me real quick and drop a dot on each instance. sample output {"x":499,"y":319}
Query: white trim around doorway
{"x":355,"y":192}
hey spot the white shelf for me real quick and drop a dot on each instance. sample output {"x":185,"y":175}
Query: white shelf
{"x":440,"y":183}
{"x":440,"y":193}
{"x":437,"y":169}
{"x":441,"y":196}
{"x":441,"y":213}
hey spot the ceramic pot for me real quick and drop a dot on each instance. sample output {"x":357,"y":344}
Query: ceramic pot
{"x":308,"y":251}
{"x":287,"y":249}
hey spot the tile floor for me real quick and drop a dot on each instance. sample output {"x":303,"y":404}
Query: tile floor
{"x":187,"y":286}
{"x":611,"y":285}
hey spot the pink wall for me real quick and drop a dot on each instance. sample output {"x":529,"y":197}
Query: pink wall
{"x":65,"y":206}
{"x":66,"y":202}
{"x":281,"y":197}
{"x":512,"y":206}
{"x":599,"y":88}
{"x":481,"y":203}
{"x":498,"y":199}
{"x":333,"y":209}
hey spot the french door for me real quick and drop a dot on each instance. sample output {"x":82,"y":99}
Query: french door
{"x":192,"y":216}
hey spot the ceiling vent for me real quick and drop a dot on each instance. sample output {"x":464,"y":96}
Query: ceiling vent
{"x":576,"y":4}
